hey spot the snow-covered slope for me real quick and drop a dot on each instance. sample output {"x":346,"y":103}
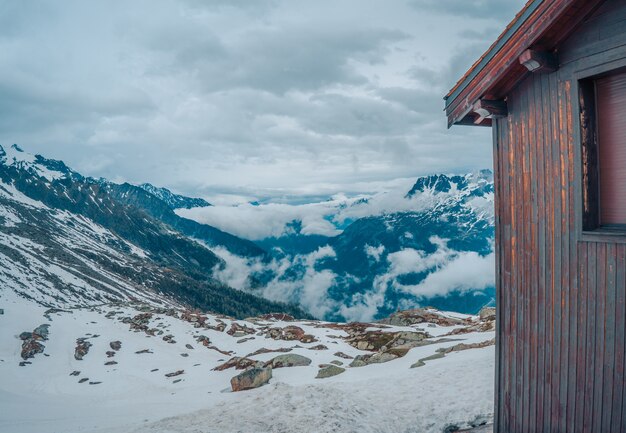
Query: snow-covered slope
{"x":128,"y":389}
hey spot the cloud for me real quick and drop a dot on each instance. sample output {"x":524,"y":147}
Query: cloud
{"x":251,"y":98}
{"x":480,"y":9}
{"x":310,"y":289}
{"x":447,"y":271}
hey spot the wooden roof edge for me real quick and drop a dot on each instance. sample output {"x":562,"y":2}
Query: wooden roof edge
{"x":500,"y":61}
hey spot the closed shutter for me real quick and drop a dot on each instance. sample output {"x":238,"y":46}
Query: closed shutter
{"x":611,"y":127}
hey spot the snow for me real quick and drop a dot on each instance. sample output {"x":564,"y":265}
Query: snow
{"x":389,"y":397}
{"x":15,"y":156}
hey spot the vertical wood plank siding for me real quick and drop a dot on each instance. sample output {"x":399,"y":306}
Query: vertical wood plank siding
{"x":562,"y":298}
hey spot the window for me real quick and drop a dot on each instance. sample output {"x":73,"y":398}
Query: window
{"x":603,"y":129}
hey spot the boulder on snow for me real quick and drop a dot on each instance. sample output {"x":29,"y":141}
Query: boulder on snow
{"x":252,"y":378}
{"x":420,"y":315}
{"x":236,"y":330}
{"x":115,"y":345}
{"x":329,"y":371}
{"x":289,"y":360}
{"x":82,"y":348}
{"x":30,"y":348}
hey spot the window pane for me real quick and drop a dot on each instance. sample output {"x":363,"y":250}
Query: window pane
{"x":611,"y":115}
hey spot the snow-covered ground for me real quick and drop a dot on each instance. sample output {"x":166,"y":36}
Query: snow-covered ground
{"x":135,"y":395}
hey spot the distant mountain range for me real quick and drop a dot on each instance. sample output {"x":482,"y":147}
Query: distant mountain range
{"x":66,"y":239}
{"x":70,"y":239}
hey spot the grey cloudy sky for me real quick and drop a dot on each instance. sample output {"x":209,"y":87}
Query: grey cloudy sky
{"x":250,"y":97}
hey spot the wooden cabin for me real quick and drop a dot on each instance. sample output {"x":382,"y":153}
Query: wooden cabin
{"x":553,"y":89}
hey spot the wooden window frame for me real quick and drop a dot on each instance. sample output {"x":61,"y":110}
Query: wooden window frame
{"x":585,"y":95}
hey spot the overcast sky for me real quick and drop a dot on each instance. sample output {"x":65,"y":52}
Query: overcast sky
{"x":259,"y":98}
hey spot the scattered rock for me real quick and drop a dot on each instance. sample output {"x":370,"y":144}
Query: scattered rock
{"x":83,"y":380}
{"x":30,"y":348}
{"x":153,"y":370}
{"x":110,"y":363}
{"x":1,"y":311}
{"x":175,"y":373}
{"x":252,"y":378}
{"x":189,"y":346}
{"x":95,"y":383}
{"x":290,"y":333}
{"x":243,"y":340}
{"x":176,"y":381}
{"x":75,"y":373}
{"x":329,"y":371}
{"x":236,"y":330}
{"x":115,"y":345}
{"x":422,"y":362}
{"x":82,"y":348}
{"x":264,"y":350}
{"x":24,"y":363}
{"x":41,"y":332}
{"x":343,"y":355}
{"x":184,"y":355}
{"x":420,"y":315}
{"x":238,"y":363}
{"x":110,"y":354}
{"x":318,"y":347}
{"x":289,"y":360}
{"x":139,"y":352}
{"x":336,"y":362}
{"x":169,"y":338}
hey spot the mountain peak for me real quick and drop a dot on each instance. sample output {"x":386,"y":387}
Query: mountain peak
{"x":50,"y":169}
{"x":173,"y":200}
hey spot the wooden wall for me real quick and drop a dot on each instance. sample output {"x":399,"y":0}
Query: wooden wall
{"x":561,"y":298}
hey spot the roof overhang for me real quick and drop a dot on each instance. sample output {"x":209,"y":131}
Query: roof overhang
{"x":540,"y":26}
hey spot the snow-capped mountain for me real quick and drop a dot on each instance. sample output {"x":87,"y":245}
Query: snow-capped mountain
{"x":174,"y":201}
{"x":427,"y":245}
{"x":113,"y":319}
{"x":67,"y":240}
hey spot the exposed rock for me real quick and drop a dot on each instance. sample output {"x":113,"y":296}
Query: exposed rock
{"x":422,"y":362}
{"x":252,"y":378}
{"x":287,"y":333}
{"x":189,"y":346}
{"x":238,"y":363}
{"x":236,"y":330}
{"x":115,"y":345}
{"x":465,"y":346}
{"x":175,"y":373}
{"x":169,"y":338}
{"x":308,"y":338}
{"x":41,"y":332}
{"x":420,"y":315}
{"x":30,"y":348}
{"x":1,"y":311}
{"x":336,"y":362}
{"x":82,"y":348}
{"x":184,"y":355}
{"x":487,"y":313}
{"x":243,"y":340}
{"x":376,"y":358}
{"x":289,"y":360}
{"x":318,"y":347}
{"x":139,"y":352}
{"x":95,"y":383}
{"x":329,"y":371}
{"x":343,"y":355}
{"x":110,"y":363}
{"x":26,"y":336}
{"x":24,"y":363}
{"x":83,"y":380}
{"x":264,"y":350}
{"x":110,"y":354}
{"x":75,"y":373}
